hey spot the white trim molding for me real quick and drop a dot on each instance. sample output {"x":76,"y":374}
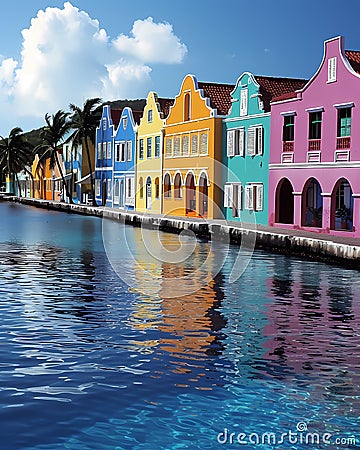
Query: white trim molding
{"x":344,"y":105}
{"x":288,"y":113}
{"x":316,"y":109}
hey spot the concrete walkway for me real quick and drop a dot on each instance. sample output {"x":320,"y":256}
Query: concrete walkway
{"x":337,"y":249}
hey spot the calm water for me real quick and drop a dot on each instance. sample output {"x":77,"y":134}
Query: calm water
{"x":87,"y":362}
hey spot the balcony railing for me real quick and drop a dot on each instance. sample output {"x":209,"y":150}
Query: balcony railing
{"x":314,"y":145}
{"x":343,"y":143}
{"x":288,"y":146}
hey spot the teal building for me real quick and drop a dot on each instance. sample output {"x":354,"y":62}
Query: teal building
{"x":247,"y":146}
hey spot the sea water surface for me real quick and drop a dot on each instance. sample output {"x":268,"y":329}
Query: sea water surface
{"x":93,"y":360}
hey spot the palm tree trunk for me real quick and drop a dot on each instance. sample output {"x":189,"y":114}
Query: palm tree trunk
{"x":92,"y":181}
{"x":63,"y":179}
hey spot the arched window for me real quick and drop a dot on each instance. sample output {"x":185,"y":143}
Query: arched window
{"x":167,"y":186}
{"x":187,"y":107}
{"x":157,"y":188}
{"x":177,"y":186}
{"x":141,"y":188}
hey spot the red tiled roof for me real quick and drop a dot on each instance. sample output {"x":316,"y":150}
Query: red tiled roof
{"x":274,"y":88}
{"x":354,"y":59}
{"x":219,"y":95}
{"x":115,"y":116}
{"x":165,"y":105}
{"x":137,"y":116}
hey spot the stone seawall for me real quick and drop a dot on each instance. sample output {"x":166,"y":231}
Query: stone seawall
{"x":290,"y":242}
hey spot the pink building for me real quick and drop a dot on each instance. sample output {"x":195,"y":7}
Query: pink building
{"x":314,"y":171}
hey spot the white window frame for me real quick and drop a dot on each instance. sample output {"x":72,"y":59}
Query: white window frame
{"x":108,"y":156}
{"x":129,"y":150}
{"x":244,"y":102}
{"x":332,"y":63}
{"x":254,"y":197}
{"x":255,"y":140}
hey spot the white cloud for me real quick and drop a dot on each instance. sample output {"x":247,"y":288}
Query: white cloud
{"x":152,"y":43}
{"x":66,"y":57}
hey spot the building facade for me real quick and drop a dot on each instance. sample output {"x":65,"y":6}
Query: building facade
{"x":193,"y":162}
{"x":104,"y":150}
{"x":149,"y":155}
{"x":125,"y":159}
{"x":314,"y":172}
{"x":247,"y":132}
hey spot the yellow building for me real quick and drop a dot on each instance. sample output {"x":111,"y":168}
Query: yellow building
{"x":192,"y":169}
{"x":149,"y":155}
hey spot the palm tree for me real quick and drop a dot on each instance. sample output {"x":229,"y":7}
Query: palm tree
{"x":84,"y":123}
{"x":15,"y":154}
{"x":53,"y":135}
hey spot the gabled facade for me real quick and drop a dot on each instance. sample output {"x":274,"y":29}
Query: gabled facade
{"x":104,"y":150}
{"x":314,"y":174}
{"x":125,"y":159}
{"x":149,"y":155}
{"x":193,"y":171}
{"x":247,"y":145}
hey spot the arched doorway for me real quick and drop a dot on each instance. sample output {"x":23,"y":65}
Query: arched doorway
{"x":342,"y":206}
{"x":284,"y":205}
{"x":190,"y":193}
{"x":312,"y":204}
{"x":203,"y":195}
{"x":148,"y":193}
{"x":104,"y":192}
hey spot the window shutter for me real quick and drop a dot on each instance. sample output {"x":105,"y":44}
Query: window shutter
{"x":109,"y":150}
{"x":259,"y":197}
{"x":259,"y":138}
{"x":244,"y":102}
{"x":230,"y":143}
{"x":249,"y":197}
{"x":251,"y":141}
{"x":234,"y":200}
{"x":129,"y":150}
{"x":228,"y":196}
{"x":242,"y":141}
{"x":239,"y":197}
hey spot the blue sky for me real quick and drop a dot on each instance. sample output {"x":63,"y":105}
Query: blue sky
{"x":111,"y":49}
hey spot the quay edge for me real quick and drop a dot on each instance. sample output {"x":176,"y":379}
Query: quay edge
{"x":288,"y":242}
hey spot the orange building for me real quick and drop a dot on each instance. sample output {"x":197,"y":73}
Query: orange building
{"x":192,"y":168}
{"x":47,"y":183}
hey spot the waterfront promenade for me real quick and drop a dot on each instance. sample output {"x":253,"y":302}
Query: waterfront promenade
{"x":324,"y":247}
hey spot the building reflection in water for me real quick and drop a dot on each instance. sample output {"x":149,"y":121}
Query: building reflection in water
{"x":313,"y":326}
{"x":185,"y":323}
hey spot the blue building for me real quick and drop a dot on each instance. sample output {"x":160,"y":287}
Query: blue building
{"x":125,"y":159}
{"x":104,"y":151}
